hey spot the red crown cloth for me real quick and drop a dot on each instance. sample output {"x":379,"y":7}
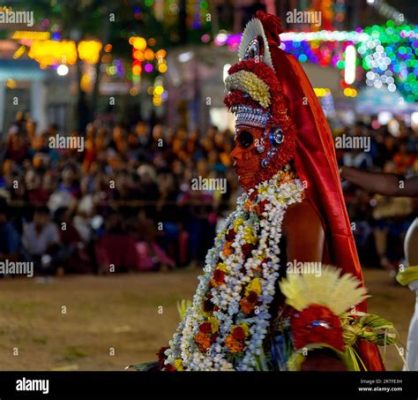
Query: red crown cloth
{"x":274,"y":81}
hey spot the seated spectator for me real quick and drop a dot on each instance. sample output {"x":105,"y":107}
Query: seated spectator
{"x":41,"y":242}
{"x":9,"y":237}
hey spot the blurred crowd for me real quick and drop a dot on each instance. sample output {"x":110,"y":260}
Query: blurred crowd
{"x":380,"y":223}
{"x":125,"y":202}
{"x":121,"y":197}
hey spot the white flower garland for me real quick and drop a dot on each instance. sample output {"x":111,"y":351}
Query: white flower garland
{"x":276,"y":194}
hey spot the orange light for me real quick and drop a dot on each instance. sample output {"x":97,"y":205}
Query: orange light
{"x":136,"y":69}
{"x":149,"y":54}
{"x":139,"y":55}
{"x":161,"y":53}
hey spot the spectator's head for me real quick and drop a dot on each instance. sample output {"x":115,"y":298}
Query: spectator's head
{"x":49,"y":182}
{"x":158,"y":132}
{"x":7,"y":167}
{"x":146,"y":174}
{"x":32,"y":180}
{"x":41,"y":216}
{"x":141,"y":129}
{"x":20,"y":116}
{"x":31,"y":127}
{"x":118,"y":133}
{"x":68,"y":176}
{"x":52,"y":129}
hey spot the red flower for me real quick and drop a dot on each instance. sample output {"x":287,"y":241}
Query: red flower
{"x":238,"y":333}
{"x":317,"y":324}
{"x":206,"y":327}
{"x":219,"y":276}
{"x":252,"y":297}
{"x":247,"y":248}
{"x":230,"y":235}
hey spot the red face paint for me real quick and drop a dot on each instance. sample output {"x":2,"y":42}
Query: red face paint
{"x":250,"y":148}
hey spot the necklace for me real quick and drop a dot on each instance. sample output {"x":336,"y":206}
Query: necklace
{"x":226,"y":324}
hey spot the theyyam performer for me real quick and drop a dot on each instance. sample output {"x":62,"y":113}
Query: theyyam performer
{"x":251,"y":310}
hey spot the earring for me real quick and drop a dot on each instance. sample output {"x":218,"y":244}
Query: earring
{"x":276,"y":136}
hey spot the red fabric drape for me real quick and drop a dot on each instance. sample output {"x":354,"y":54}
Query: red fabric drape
{"x":316,"y":163}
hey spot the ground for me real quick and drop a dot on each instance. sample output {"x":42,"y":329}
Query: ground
{"x":109,"y":322}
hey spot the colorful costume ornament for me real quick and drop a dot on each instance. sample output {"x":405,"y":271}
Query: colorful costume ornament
{"x":238,"y":319}
{"x":323,"y":316}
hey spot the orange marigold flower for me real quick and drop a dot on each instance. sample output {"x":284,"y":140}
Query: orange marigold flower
{"x":235,"y":346}
{"x":248,"y":205}
{"x":246,"y":306}
{"x":227,"y":250}
{"x":203,"y":341}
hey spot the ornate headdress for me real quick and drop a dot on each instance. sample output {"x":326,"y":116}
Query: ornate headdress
{"x":255,"y":94}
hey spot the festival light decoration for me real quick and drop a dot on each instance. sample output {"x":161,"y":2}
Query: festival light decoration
{"x":51,"y":52}
{"x":158,"y":92}
{"x":350,"y":92}
{"x":146,"y":60}
{"x":350,"y":64}
{"x":321,"y":92}
{"x":387,"y":54}
{"x":62,"y":70}
{"x":19,"y":52}
{"x":144,"y":57}
{"x":31,"y":35}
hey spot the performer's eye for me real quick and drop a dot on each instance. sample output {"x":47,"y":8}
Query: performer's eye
{"x":245,"y":139}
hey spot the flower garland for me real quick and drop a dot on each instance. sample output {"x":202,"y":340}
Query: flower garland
{"x":250,"y":83}
{"x":228,"y":320}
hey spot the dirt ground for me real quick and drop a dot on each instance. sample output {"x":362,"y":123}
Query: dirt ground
{"x":109,"y":322}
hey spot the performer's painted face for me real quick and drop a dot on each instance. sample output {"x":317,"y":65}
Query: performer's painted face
{"x":245,"y":156}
